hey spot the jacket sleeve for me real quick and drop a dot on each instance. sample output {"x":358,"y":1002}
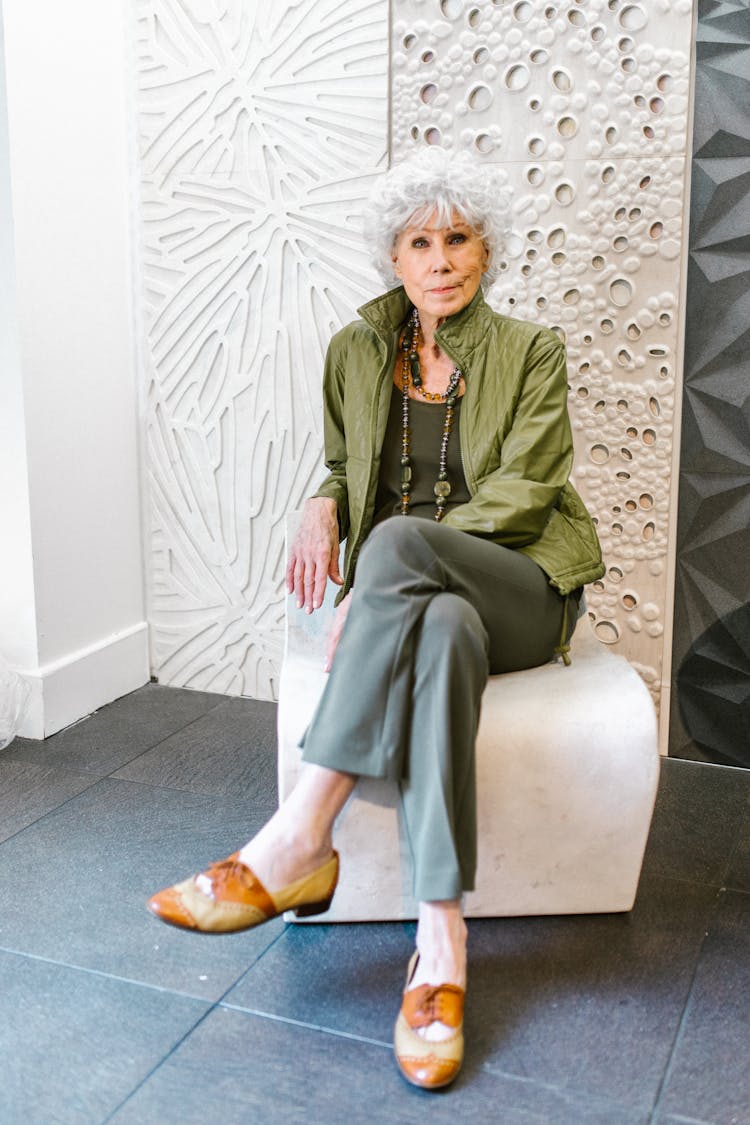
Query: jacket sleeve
{"x":513,"y":501}
{"x":334,"y":486}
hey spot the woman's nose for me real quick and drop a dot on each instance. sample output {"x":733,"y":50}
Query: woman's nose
{"x":439,"y":260}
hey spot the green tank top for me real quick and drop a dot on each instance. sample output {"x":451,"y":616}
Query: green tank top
{"x":426,"y":424}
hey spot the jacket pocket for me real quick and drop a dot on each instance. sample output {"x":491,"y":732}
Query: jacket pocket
{"x":568,"y":549}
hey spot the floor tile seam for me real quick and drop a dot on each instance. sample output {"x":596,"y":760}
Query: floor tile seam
{"x":212,"y":795}
{"x":729,"y":889}
{"x":220,"y":697}
{"x":682,"y":1022}
{"x":304,"y":1024}
{"x":151,"y":750}
{"x":582,"y":1092}
{"x":712,"y":884}
{"x":213,"y":1007}
{"x":527,"y":1080}
{"x":62,"y":767}
{"x":80,"y":770}
{"x":155,"y":745}
{"x":654,"y":1120}
{"x":50,"y":812}
{"x":85,"y":718}
{"x":102,"y":974}
{"x":165,"y":1058}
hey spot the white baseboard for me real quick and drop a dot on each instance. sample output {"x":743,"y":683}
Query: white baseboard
{"x":69,"y":689}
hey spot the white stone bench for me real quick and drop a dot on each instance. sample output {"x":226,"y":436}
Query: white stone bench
{"x":567,"y":769}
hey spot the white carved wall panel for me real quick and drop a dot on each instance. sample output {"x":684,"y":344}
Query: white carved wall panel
{"x":585,"y":105}
{"x":260,"y":128}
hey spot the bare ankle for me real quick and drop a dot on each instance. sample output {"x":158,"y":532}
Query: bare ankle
{"x":282,"y":853}
{"x":441,"y":942}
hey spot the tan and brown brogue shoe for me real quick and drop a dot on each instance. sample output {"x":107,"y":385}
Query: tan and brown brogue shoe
{"x":428,"y":1063}
{"x":228,"y":897}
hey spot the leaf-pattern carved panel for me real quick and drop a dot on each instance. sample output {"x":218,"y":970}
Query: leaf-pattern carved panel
{"x":260,"y":127}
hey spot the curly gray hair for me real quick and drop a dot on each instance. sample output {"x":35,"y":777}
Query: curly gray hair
{"x":435,"y":180}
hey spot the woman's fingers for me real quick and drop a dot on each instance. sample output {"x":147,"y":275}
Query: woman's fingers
{"x":314,"y":554}
{"x":290,"y":568}
{"x":298,"y":581}
{"x":333,"y":570}
{"x":307,"y":579}
{"x":319,"y":585}
{"x":304,"y":582}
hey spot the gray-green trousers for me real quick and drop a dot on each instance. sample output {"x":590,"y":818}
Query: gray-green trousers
{"x":435,"y":611}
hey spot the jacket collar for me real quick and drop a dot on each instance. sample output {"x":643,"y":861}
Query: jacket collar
{"x":459,"y":335}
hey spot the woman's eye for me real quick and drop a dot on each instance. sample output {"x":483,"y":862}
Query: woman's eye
{"x":418,"y":243}
{"x":458,"y":237}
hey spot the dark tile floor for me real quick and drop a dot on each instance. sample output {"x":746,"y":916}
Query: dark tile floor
{"x":108,"y":1015}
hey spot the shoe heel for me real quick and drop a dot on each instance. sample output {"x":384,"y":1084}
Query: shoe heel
{"x":308,"y":909}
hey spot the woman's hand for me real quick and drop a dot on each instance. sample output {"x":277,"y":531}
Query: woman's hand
{"x":314,"y":554}
{"x":337,"y":627}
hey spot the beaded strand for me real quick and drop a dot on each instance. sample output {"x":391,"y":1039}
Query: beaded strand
{"x":411,"y":376}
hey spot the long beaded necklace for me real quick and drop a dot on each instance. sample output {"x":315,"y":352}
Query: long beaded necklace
{"x":411,"y":375}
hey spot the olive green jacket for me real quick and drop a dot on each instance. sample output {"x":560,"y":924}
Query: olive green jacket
{"x":515,"y":439}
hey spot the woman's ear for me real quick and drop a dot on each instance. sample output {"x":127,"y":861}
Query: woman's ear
{"x":396,"y":265}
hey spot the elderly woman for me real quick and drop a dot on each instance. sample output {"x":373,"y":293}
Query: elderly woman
{"x":437,"y":408}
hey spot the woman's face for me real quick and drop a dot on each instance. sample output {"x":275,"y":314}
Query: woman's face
{"x":440,"y":267}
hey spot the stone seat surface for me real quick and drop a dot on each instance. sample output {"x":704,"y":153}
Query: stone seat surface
{"x":567,"y":769}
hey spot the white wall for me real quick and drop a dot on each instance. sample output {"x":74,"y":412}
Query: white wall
{"x":75,"y":623}
{"x":17,"y":602}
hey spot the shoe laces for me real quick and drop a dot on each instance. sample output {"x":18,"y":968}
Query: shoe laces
{"x":224,"y":874}
{"x":428,"y":1004}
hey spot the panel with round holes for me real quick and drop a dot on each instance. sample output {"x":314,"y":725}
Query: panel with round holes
{"x":585,"y":105}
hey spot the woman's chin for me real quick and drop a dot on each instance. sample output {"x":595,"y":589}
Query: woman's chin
{"x":443,"y":304}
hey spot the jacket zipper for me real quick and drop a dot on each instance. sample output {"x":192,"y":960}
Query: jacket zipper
{"x":390,"y":350}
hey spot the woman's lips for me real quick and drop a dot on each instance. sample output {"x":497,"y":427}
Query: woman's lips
{"x":444,"y":289}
